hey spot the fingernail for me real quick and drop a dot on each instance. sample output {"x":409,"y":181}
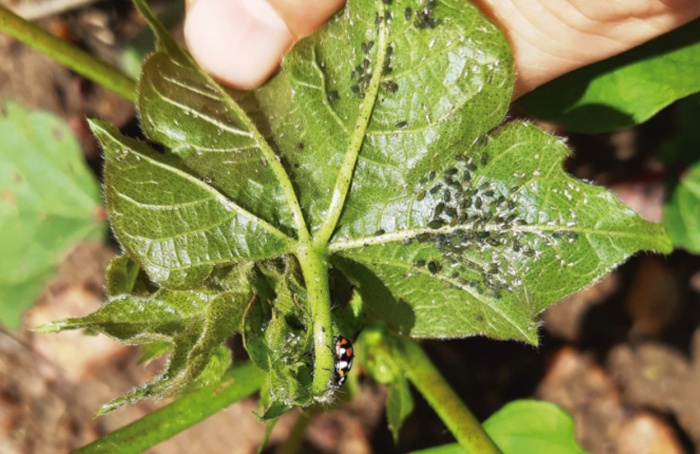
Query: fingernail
{"x":239,"y":42}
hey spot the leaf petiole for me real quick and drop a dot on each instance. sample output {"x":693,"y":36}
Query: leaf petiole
{"x":314,"y":267}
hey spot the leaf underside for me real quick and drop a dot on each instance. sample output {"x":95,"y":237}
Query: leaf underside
{"x":385,"y":121}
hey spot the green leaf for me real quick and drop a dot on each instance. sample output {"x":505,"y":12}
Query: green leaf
{"x":182,"y":107}
{"x":381,"y":135}
{"x":530,"y":426}
{"x":151,"y":351}
{"x":49,"y":201}
{"x":682,"y":211}
{"x":185,"y":412}
{"x":399,"y":404}
{"x":175,"y":226}
{"x":493,"y":240}
{"x":352,"y":89}
{"x":624,"y":90}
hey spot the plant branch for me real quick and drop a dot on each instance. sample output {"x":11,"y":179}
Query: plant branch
{"x":446,"y":403}
{"x":74,"y":58}
{"x":185,"y":412}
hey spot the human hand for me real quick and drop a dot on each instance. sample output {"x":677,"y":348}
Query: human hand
{"x":242,"y":41}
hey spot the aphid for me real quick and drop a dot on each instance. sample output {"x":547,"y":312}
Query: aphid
{"x":390,"y":86}
{"x":434,"y":267}
{"x":344,"y":355}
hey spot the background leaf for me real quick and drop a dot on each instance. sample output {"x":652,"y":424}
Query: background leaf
{"x":623,"y":90}
{"x":49,"y":201}
{"x":682,"y":211}
{"x":530,"y":426}
{"x":681,"y":155}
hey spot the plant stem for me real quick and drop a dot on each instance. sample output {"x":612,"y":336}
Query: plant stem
{"x":446,"y":403}
{"x":314,"y":267}
{"x":67,"y":54}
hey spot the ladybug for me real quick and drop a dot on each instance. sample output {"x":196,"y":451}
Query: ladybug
{"x":344,"y":356}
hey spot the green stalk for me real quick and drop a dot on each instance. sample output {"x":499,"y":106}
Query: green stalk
{"x":67,"y":54}
{"x":183,"y":413}
{"x":314,"y":267}
{"x":446,"y":403}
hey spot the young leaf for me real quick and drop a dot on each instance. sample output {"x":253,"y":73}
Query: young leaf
{"x":49,"y":201}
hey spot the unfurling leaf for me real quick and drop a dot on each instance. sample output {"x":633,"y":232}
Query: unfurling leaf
{"x":194,"y":323}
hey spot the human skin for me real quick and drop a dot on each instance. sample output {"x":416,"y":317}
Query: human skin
{"x":241,"y":42}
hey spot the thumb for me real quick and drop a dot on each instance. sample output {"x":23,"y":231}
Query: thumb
{"x":241,"y":42}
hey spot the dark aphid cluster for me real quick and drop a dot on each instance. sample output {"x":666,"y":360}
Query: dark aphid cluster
{"x":362,"y":74}
{"x":475,"y":222}
{"x":424,"y":16}
{"x":386,"y":65}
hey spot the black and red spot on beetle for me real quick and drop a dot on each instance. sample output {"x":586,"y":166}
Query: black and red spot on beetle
{"x":344,"y":356}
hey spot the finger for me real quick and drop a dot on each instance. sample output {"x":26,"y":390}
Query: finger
{"x":241,"y":42}
{"x":551,"y":38}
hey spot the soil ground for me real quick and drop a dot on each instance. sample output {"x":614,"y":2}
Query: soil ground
{"x":623,"y":356}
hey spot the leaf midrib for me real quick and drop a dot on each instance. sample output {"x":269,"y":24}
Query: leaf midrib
{"x":410,"y":234}
{"x":352,"y":152}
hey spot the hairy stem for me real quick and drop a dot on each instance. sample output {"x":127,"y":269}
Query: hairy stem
{"x":67,"y":54}
{"x":314,"y":267}
{"x":446,"y":403}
